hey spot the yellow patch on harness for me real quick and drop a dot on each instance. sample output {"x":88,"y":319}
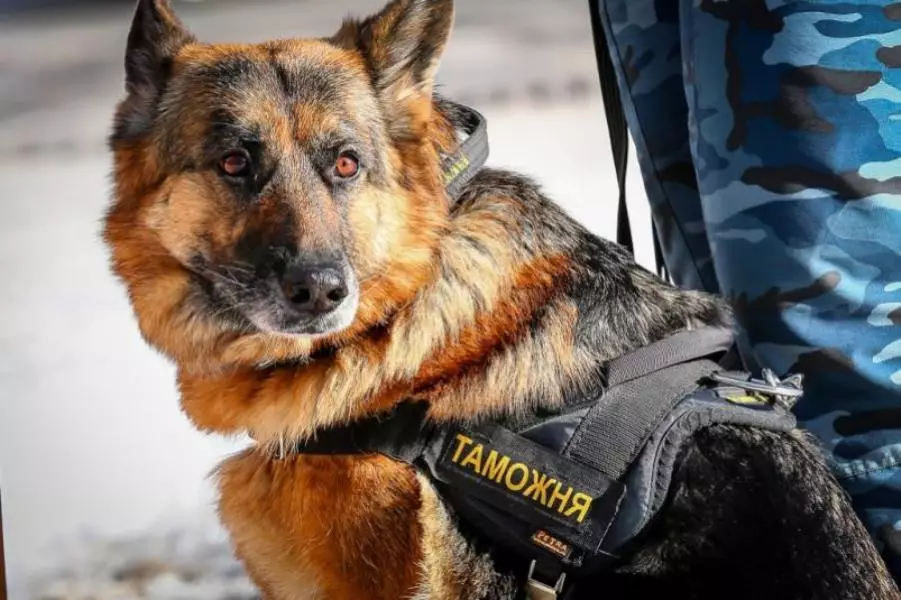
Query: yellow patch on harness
{"x":542,"y":489}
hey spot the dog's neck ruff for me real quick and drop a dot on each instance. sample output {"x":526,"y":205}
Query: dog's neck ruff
{"x":564,"y":496}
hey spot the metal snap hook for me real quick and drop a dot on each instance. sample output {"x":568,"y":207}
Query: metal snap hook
{"x":785,"y":392}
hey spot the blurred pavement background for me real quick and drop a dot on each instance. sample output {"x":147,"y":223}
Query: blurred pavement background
{"x":104,"y":483}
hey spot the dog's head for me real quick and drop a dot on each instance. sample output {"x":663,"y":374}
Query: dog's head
{"x":283,"y":190}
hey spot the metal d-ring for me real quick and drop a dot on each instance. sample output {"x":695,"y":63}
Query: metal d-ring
{"x":537,"y":590}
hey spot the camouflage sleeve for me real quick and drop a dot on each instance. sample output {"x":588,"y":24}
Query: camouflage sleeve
{"x":769,"y":138}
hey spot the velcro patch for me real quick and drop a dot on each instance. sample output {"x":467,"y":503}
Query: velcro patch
{"x":571,"y":501}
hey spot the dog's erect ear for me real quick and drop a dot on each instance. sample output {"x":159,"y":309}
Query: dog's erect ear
{"x":155,"y":38}
{"x":404,"y":43}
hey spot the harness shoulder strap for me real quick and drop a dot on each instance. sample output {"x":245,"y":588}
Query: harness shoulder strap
{"x":616,"y":428}
{"x":643,"y":388}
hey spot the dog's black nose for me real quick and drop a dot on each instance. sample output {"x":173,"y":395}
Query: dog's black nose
{"x":315,"y":290}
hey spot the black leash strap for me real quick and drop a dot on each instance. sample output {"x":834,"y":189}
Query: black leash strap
{"x":619,"y":136}
{"x":3,"y":590}
{"x":616,"y":122}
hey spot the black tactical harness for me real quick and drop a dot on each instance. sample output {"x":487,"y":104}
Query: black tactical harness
{"x":568,"y":492}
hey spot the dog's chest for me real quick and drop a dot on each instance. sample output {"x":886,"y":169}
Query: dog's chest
{"x":323,"y":527}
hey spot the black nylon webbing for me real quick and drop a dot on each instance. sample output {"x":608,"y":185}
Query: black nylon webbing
{"x":659,"y":260}
{"x":616,"y":122}
{"x":682,"y":347}
{"x":472,"y":154}
{"x":618,"y":130}
{"x":3,"y":589}
{"x":616,"y":428}
{"x":402,"y":435}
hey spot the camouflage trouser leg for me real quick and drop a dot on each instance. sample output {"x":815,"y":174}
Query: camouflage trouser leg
{"x":769,"y":134}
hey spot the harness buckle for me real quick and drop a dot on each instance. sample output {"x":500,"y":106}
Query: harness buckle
{"x":785,"y":392}
{"x":537,"y":590}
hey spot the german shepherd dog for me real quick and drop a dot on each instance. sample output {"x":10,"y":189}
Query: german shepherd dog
{"x":281,"y":225}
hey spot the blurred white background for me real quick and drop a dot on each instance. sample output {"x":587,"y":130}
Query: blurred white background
{"x":92,"y":442}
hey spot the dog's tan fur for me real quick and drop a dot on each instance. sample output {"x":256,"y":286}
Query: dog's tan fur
{"x":444,"y":304}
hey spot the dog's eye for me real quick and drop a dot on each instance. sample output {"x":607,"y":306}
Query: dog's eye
{"x":347,"y":165}
{"x":235,"y":164}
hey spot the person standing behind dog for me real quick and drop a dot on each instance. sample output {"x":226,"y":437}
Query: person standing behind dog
{"x":769,"y":142}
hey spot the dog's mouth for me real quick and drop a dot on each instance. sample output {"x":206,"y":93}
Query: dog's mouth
{"x":308,"y":301}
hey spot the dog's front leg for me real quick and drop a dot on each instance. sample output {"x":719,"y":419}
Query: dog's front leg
{"x":316,"y":527}
{"x":451,"y":568}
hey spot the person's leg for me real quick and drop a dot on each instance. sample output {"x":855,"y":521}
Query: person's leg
{"x":796,"y":138}
{"x":644,"y":41}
